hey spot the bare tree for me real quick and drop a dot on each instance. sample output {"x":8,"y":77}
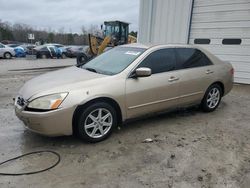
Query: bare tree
{"x":84,"y":31}
{"x":61,"y":30}
{"x":19,"y":32}
{"x":93,"y":29}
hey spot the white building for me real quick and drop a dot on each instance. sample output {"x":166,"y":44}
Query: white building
{"x":221,"y":26}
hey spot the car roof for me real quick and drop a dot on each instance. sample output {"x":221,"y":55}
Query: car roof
{"x":157,"y":46}
{"x":41,"y":46}
{"x":137,"y":45}
{"x":151,"y":45}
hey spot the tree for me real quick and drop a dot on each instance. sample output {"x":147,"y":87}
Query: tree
{"x":6,"y":34}
{"x":83,"y":29}
{"x":5,"y":31}
{"x":93,"y":29}
{"x":133,"y":33}
{"x":51,"y":37}
{"x":70,"y":39}
{"x":19,"y":32}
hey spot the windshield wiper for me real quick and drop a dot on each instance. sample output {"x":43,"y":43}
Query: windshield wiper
{"x":90,"y":69}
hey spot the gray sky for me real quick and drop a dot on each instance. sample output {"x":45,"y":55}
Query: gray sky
{"x":69,"y":14}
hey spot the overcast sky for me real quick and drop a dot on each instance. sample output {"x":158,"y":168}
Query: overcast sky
{"x":69,"y":14}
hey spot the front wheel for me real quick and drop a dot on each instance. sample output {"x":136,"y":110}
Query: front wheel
{"x":7,"y":55}
{"x":96,"y":122}
{"x":64,"y":56}
{"x":81,"y":59}
{"x":212,"y":98}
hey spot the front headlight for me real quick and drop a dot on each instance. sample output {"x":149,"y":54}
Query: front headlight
{"x":48,"y":102}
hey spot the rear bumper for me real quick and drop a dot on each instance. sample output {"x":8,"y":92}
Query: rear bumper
{"x":52,"y":123}
{"x":228,"y":86}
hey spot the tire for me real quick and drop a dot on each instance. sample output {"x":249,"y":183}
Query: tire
{"x":43,"y":56}
{"x":7,"y":55}
{"x":91,"y":120}
{"x":212,"y":98}
{"x":64,"y":56}
{"x":81,"y":59}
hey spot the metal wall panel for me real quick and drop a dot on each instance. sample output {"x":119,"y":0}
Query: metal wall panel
{"x":168,"y":21}
{"x":164,"y":21}
{"x":219,"y":19}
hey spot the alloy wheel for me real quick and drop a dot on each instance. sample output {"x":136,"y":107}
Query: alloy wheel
{"x":98,"y":123}
{"x":7,"y":56}
{"x":213,"y":98}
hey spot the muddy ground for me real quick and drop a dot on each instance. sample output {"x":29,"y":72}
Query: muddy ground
{"x":190,"y":149}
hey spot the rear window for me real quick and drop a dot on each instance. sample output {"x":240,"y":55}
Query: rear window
{"x":190,"y":58}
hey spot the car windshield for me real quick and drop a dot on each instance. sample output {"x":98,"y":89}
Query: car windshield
{"x":113,"y":61}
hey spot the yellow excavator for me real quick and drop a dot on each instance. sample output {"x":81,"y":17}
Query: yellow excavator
{"x":115,"y":33}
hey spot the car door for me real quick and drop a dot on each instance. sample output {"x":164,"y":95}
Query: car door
{"x":195,"y":71}
{"x":44,"y":51}
{"x":52,"y":51}
{"x":156,"y":92}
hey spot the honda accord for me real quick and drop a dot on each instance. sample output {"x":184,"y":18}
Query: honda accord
{"x":123,"y":83}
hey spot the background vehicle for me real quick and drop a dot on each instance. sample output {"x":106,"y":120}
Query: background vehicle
{"x":59,"y":49}
{"x":114,"y":34}
{"x":73,"y":51}
{"x":13,"y":45}
{"x":6,"y":52}
{"x":123,"y":83}
{"x":45,"y":52}
{"x":29,"y":48}
{"x":54,"y":44}
{"x":20,"y":51}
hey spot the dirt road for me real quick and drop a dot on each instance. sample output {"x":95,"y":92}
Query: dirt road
{"x":189,"y":148}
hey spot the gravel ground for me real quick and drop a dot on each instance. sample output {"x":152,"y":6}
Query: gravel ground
{"x":189,"y":148}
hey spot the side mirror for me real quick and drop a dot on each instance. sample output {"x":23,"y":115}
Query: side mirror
{"x":143,"y":72}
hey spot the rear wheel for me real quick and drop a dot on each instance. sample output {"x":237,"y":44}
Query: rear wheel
{"x":212,"y":98}
{"x":43,"y":56}
{"x":96,"y":122}
{"x":7,"y":55}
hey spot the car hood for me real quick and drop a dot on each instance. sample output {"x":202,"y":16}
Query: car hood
{"x":57,"y":81}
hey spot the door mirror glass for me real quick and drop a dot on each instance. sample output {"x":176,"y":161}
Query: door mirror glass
{"x":143,"y":72}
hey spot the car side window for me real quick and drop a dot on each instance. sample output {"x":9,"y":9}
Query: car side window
{"x":160,"y":61}
{"x":190,"y":58}
{"x":1,"y":46}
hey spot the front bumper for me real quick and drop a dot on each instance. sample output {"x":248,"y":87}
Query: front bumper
{"x":51,"y":123}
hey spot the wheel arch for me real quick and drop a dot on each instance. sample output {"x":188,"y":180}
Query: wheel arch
{"x":7,"y":53}
{"x":221,"y":85}
{"x":108,"y":100}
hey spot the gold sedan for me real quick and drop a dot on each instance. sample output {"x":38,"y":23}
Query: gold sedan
{"x":123,"y":83}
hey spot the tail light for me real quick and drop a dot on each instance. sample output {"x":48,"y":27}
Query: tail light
{"x":232,"y":71}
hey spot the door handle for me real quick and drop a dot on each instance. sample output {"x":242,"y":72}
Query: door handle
{"x":173,"y":78}
{"x":209,"y":72}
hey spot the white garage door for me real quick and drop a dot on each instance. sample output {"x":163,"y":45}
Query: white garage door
{"x":223,"y":27}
